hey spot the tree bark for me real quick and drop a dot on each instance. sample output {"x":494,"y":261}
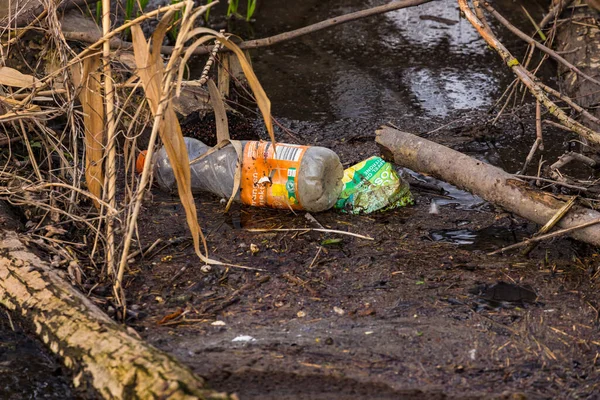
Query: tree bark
{"x":101,"y":353}
{"x":489,"y":182}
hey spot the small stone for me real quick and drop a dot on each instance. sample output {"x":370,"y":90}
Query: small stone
{"x":338,"y":311}
{"x":301,"y":314}
{"x":205,"y":268}
{"x":244,"y":338}
{"x":254,"y":249}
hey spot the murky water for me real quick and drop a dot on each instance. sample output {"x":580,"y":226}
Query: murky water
{"x":418,"y":62}
{"x":487,"y":239}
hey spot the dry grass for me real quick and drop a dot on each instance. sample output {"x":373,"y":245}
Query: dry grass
{"x":88,"y":91}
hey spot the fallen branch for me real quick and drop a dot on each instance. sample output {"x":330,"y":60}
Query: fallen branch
{"x":489,"y":182}
{"x":101,"y":353}
{"x":523,"y":36}
{"x":91,"y":37}
{"x":579,"y":45}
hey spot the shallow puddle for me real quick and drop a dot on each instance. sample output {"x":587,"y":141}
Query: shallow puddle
{"x":487,"y":239}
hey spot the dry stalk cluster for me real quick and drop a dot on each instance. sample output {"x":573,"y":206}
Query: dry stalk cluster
{"x":78,"y":123}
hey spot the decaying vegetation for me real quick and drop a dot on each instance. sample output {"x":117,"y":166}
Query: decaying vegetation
{"x":115,"y":107}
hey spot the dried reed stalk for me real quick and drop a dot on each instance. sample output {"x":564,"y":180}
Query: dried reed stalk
{"x":111,"y":177}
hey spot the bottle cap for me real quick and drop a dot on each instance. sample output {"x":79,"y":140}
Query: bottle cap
{"x":139,"y":163}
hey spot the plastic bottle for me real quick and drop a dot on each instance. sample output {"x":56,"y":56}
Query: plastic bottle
{"x":297,"y":177}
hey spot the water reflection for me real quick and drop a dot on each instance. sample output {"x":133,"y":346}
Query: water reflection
{"x":431,"y":24}
{"x":440,"y":92}
{"x":420,"y":61}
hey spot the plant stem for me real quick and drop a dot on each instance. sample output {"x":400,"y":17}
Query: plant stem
{"x":109,"y":95}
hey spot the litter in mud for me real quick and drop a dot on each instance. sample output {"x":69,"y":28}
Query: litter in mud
{"x":372,"y":185}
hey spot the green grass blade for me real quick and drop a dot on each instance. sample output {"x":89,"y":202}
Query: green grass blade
{"x":537,"y":28}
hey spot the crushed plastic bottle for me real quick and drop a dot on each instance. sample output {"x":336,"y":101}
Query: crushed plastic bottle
{"x":289,"y":176}
{"x":373,"y":185}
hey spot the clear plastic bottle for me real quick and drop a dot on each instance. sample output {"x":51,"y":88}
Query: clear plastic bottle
{"x":289,"y":176}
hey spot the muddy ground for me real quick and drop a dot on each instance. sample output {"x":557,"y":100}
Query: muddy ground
{"x":408,"y":314}
{"x":401,"y":316}
{"x":392,"y":317}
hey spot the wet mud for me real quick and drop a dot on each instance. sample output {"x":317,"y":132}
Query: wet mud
{"x":417,"y":311}
{"x":26,"y":371}
{"x":398,"y":316}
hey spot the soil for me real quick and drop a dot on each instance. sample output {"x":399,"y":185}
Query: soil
{"x":403,"y":315}
{"x":386,"y":318}
{"x":26,"y":371}
{"x":413,"y":313}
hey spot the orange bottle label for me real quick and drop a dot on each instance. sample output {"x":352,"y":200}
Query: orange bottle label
{"x":270,"y":176}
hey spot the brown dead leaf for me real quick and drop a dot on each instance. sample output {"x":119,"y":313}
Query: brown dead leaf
{"x":92,"y":103}
{"x":220,"y":113}
{"x":150,"y":70}
{"x":12,"y":77}
{"x":262,"y":100}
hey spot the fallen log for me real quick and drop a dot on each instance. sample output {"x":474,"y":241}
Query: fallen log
{"x":102,"y":354}
{"x":488,"y":182}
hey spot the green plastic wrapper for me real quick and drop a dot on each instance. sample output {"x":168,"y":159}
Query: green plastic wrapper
{"x":372,"y":185}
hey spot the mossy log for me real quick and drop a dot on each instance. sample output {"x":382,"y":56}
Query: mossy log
{"x":485,"y":180}
{"x":103,"y":356}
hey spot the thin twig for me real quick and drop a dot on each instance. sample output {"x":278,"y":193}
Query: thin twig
{"x":525,"y":76}
{"x":572,"y":156}
{"x":309,"y":229}
{"x":111,"y":175}
{"x":545,"y":237}
{"x":315,"y":258}
{"x":71,"y":187}
{"x":269,"y":41}
{"x":550,"y":224}
{"x":538,"y":125}
{"x":554,"y":12}
{"x":570,"y":102}
{"x":523,"y":36}
{"x":567,"y":185}
{"x":534,"y":148}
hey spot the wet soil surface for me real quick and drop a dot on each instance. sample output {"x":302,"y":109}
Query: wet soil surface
{"x":26,"y":372}
{"x":420,"y":311}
